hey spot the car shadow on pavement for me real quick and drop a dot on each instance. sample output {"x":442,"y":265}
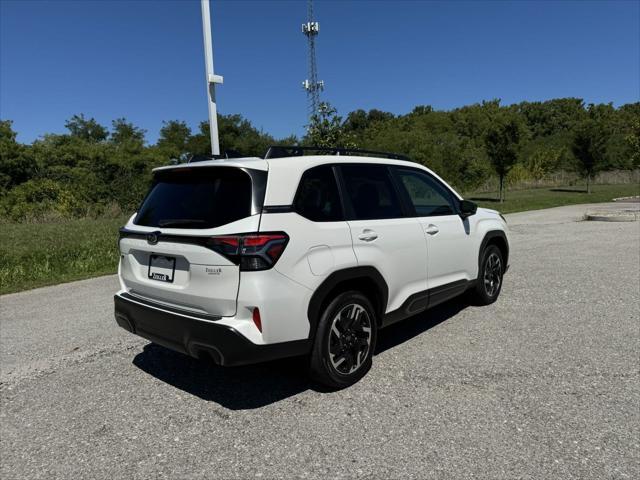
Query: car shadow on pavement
{"x":404,"y":330}
{"x":235,"y":388}
{"x":255,"y":386}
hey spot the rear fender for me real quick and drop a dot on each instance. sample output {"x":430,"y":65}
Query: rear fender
{"x":326,"y":291}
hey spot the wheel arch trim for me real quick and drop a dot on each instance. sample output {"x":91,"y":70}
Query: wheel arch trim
{"x":488,"y":237}
{"x":340,"y":276}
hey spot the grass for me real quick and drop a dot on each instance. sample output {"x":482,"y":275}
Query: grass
{"x":39,"y":254}
{"x":538,"y":198}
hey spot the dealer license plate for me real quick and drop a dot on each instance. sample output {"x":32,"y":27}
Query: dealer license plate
{"x":162,"y":268}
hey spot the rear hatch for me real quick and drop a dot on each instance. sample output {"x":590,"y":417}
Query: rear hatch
{"x":166,"y":248}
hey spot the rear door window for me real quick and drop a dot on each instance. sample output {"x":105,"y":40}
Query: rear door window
{"x":196,"y":198}
{"x":371,"y":192}
{"x":317,"y":197}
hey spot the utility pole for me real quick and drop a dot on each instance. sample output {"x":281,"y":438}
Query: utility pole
{"x":312,"y":85}
{"x":211,"y":78}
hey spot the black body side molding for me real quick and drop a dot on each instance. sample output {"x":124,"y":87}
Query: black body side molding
{"x":421,"y":301}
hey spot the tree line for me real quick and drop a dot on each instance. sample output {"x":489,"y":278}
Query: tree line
{"x":93,"y":170}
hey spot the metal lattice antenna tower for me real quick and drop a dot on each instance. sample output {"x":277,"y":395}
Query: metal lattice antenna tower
{"x":312,"y":85}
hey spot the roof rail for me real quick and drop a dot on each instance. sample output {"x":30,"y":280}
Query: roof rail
{"x":280,"y":151}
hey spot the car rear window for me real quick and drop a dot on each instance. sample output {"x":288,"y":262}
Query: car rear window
{"x":196,"y":198}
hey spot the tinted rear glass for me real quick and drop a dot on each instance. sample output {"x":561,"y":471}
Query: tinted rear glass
{"x":317,"y":198}
{"x":196,"y":198}
{"x":371,"y":192}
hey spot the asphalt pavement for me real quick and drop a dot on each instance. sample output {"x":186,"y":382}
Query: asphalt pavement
{"x":542,"y":384}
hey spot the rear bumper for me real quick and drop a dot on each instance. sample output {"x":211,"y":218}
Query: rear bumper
{"x":199,"y":337}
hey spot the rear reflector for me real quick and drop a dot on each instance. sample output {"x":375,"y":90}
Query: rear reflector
{"x":256,"y":319}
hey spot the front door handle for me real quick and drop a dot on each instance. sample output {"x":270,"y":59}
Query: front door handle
{"x":368,"y":235}
{"x":432,"y":229}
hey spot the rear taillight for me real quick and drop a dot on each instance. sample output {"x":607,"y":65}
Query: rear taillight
{"x":253,"y":251}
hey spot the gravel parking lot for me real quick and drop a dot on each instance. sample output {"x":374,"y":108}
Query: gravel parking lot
{"x":542,"y":384}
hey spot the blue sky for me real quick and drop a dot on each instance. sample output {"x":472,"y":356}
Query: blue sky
{"x":144,"y":59}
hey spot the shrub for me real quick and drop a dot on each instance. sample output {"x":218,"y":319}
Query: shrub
{"x":35,"y":199}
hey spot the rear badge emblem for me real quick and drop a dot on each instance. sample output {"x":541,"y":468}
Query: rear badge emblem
{"x":152,"y":238}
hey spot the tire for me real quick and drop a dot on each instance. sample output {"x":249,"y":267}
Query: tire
{"x":490,"y":276}
{"x":346,"y":338}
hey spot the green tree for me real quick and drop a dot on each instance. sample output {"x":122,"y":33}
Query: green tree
{"x":360,"y":120}
{"x":7,"y":134}
{"x":15,"y":165}
{"x":553,"y":116}
{"x":327,"y":130}
{"x":90,"y":171}
{"x":86,"y":129}
{"x":422,"y":110}
{"x":633,"y":140}
{"x":126,"y":134}
{"x":590,"y":149}
{"x":357,"y":121}
{"x":542,"y":162}
{"x":174,"y":138}
{"x":503,"y":142}
{"x":236,"y":135}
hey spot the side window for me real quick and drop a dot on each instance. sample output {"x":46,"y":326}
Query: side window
{"x":429,"y":197}
{"x":370,"y":189}
{"x":317,"y":197}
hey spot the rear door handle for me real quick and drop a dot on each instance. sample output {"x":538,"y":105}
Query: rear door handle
{"x":368,"y":235}
{"x":432,"y":229}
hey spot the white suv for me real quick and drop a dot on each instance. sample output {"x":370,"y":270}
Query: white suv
{"x":251,"y":259}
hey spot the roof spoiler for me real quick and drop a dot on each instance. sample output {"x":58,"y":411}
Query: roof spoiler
{"x":191,"y":158}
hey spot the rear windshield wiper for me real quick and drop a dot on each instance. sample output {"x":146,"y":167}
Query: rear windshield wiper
{"x":179,"y":221}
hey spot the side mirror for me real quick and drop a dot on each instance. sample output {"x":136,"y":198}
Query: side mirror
{"x":467,"y":208}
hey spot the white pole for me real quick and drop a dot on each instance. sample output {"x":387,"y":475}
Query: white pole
{"x":212,"y":79}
